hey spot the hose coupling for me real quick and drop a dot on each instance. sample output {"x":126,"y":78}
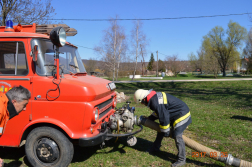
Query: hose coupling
{"x":230,"y":159}
{"x":141,"y":120}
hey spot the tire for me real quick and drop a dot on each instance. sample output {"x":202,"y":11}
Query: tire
{"x":46,"y":146}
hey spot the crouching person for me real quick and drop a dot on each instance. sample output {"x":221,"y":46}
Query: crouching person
{"x":173,"y":115}
{"x":11,"y":104}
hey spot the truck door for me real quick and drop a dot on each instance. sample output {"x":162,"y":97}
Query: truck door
{"x":15,"y":70}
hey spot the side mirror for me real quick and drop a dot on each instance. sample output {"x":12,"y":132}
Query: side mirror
{"x":35,"y":53}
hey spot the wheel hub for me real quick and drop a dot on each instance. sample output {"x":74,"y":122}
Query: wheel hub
{"x":47,"y":150}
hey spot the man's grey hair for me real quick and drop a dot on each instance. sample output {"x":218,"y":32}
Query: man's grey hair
{"x":19,"y":93}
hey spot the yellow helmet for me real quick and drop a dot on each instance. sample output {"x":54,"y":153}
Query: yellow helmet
{"x":140,"y":94}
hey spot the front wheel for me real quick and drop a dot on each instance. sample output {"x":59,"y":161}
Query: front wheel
{"x":46,"y":146}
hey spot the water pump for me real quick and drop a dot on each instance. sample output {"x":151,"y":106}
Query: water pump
{"x":124,"y":120}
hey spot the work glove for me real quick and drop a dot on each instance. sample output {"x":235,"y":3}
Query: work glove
{"x":166,"y":134}
{"x":152,"y":118}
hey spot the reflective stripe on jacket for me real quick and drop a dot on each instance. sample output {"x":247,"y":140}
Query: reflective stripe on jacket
{"x":4,"y":114}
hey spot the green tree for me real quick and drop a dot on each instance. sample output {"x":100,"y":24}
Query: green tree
{"x":223,"y":45}
{"x":161,"y":66}
{"x":150,"y":64}
{"x":247,"y":51}
{"x":198,"y":61}
{"x":208,"y":61}
{"x":193,"y":61}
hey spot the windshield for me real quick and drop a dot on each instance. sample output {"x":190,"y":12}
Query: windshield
{"x":69,"y":58}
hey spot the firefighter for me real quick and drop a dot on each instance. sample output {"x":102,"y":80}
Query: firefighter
{"x":173,"y":115}
{"x":11,"y":104}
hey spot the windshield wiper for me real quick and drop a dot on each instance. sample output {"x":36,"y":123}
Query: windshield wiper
{"x":73,"y":66}
{"x":50,"y":65}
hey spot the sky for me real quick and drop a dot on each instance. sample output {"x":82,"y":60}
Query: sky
{"x":168,"y":37}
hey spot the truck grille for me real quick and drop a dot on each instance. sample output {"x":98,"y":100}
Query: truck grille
{"x":105,"y":107}
{"x":105,"y":112}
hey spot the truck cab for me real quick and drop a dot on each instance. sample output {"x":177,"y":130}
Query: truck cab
{"x":67,"y":105}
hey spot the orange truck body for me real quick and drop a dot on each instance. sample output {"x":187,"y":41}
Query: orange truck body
{"x":71,"y":112}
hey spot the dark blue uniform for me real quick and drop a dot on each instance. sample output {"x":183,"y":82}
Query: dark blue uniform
{"x":174,"y":116}
{"x":171,"y":112}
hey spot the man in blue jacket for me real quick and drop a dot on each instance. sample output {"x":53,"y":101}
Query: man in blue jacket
{"x":174,"y":116}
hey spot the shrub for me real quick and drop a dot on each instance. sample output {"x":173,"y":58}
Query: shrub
{"x":182,"y":75}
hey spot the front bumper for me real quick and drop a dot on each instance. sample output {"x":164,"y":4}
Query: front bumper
{"x":98,"y":139}
{"x":92,"y":141}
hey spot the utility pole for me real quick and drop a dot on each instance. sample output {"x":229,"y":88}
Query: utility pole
{"x":142,"y":68}
{"x":143,"y":64}
{"x":157,"y":63}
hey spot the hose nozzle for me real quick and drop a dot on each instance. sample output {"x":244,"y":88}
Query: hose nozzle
{"x":230,"y":159}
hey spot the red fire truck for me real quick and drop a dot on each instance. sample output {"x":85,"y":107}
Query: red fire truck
{"x":67,"y":105}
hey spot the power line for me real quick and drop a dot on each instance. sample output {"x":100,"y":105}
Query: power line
{"x":125,"y":54}
{"x":89,"y":48}
{"x":168,"y":18}
{"x":162,"y":54}
{"x":83,"y":47}
{"x":94,"y":49}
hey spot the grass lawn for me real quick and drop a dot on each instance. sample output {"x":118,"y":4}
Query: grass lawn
{"x":222,"y":120}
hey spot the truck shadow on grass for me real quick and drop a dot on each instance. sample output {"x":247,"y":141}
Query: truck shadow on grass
{"x":81,"y":154}
{"x":13,"y":155}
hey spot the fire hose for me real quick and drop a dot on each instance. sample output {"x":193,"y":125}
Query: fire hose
{"x":229,"y":160}
{"x":127,"y":134}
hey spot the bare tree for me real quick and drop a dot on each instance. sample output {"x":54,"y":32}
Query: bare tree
{"x":26,"y":11}
{"x":91,"y":65}
{"x":122,"y":47}
{"x":113,"y":46}
{"x":174,"y":64}
{"x":6,"y":7}
{"x":205,"y":61}
{"x":138,"y":40}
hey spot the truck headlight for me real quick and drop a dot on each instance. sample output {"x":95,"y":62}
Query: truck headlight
{"x":95,"y":115}
{"x":114,"y":103}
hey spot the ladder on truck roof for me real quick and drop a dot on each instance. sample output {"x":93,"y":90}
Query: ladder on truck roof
{"x":41,"y":29}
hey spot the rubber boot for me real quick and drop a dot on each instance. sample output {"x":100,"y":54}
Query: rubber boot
{"x":180,"y":144}
{"x":177,"y":164}
{"x":156,"y":145}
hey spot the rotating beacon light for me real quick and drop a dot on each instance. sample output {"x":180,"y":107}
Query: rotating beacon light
{"x":9,"y":26}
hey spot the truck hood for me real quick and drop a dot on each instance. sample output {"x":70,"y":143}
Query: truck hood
{"x":73,"y":88}
{"x":93,"y":88}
